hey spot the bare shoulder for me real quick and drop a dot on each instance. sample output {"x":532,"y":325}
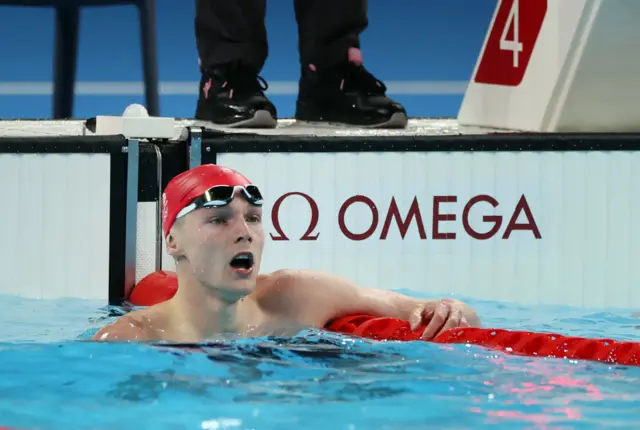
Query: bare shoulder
{"x":296,"y":276}
{"x":307,"y":280}
{"x":134,"y":326}
{"x":276,"y":290}
{"x":304,"y":295}
{"x":294,"y":280}
{"x":281,"y":281}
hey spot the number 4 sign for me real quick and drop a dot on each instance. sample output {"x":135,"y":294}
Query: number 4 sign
{"x":511,"y":42}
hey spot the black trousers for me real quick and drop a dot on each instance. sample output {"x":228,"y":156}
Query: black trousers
{"x":234,"y":31}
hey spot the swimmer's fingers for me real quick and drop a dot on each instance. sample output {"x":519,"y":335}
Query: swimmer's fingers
{"x":456,"y":319}
{"x":441,"y":315}
{"x":417,"y":317}
{"x":464,"y":322}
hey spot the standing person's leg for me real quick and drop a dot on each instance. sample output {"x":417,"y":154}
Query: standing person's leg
{"x":334,"y":86}
{"x":232,"y":47}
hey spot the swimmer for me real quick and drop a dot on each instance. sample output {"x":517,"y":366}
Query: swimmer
{"x":212,"y":222}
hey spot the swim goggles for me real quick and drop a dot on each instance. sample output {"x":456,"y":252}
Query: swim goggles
{"x":222,"y":195}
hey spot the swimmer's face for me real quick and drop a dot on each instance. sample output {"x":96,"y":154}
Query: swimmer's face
{"x":223,"y":246}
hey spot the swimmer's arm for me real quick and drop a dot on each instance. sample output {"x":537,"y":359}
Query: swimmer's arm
{"x":123,"y":330}
{"x":317,"y":297}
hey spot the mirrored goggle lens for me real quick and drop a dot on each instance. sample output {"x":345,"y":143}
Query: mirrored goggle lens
{"x":222,"y":195}
{"x":253,"y":195}
{"x":218,"y":196}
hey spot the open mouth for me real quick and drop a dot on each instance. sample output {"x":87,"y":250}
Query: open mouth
{"x":242,"y":262}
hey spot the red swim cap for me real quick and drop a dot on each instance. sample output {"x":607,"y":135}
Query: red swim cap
{"x":189,"y":185}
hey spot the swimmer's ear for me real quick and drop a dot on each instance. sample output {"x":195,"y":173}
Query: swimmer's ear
{"x":172,"y":246}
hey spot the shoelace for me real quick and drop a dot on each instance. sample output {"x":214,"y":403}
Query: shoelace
{"x":245,"y":82}
{"x":242,"y":81}
{"x":359,"y":78}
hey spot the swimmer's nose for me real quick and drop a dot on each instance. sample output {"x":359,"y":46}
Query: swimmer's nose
{"x":244,"y":238}
{"x":243,"y":232}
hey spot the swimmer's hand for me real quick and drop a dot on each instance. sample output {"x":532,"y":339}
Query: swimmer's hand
{"x":438,"y":316}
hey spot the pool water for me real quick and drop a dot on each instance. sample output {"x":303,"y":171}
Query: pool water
{"x":52,"y":378}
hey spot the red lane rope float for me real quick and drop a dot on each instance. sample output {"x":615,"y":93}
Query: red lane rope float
{"x":162,"y":285}
{"x":509,"y":341}
{"x":154,"y":288}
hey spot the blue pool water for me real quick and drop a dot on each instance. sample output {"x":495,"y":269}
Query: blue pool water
{"x":52,"y":378}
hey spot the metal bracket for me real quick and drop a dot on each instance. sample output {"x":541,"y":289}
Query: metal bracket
{"x":195,"y":147}
{"x":131,"y":218}
{"x":159,"y":210}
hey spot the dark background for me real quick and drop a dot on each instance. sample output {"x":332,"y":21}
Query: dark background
{"x":424,"y":49}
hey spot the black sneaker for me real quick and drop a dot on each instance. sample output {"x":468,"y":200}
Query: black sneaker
{"x":233,"y":96}
{"x":349,"y":95}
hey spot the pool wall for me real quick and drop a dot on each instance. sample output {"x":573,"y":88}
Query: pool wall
{"x":521,"y":217}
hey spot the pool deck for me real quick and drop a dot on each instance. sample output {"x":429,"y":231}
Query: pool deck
{"x":286,"y":127}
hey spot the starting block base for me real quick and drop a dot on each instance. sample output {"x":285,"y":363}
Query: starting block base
{"x":558,"y":66}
